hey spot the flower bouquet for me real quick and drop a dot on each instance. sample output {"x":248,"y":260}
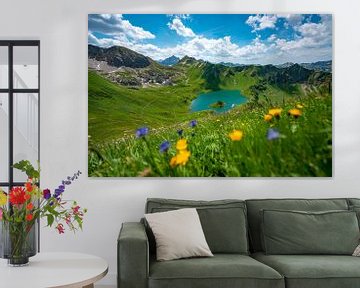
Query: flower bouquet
{"x":21,"y":208}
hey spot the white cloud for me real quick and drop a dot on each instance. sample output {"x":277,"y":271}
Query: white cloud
{"x":310,"y":35}
{"x":261,"y":22}
{"x":180,"y":16}
{"x":291,"y":19}
{"x":180,"y":28}
{"x":312,"y":42}
{"x":209,"y":49}
{"x":115,"y":25}
{"x":271,"y":38}
{"x":107,"y":42}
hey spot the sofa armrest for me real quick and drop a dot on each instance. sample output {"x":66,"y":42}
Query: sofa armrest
{"x":133,"y":256}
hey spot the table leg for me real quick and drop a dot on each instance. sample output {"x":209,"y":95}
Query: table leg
{"x":89,"y":286}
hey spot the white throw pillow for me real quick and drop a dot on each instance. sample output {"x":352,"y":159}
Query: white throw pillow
{"x":357,"y":251}
{"x":178,"y":234}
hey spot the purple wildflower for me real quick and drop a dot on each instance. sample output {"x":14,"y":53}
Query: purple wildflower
{"x":193,"y":123}
{"x":64,"y":183}
{"x":272,"y":134}
{"x":46,"y":194}
{"x":142,"y":132}
{"x":164,"y":146}
{"x":58,"y":192}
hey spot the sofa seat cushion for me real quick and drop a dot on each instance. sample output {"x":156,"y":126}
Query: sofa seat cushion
{"x":314,"y":271}
{"x":222,"y":270}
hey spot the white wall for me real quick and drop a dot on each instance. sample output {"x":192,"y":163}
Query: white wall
{"x":62,"y":28}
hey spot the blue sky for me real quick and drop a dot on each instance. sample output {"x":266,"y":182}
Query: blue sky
{"x":237,"y":38}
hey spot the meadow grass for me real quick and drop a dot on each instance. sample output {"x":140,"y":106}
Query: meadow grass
{"x":116,"y":111}
{"x":302,"y":148}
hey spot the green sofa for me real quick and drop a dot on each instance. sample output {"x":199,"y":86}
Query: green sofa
{"x":233,"y":230}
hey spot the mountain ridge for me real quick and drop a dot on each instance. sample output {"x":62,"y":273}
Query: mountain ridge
{"x":133,"y":69}
{"x":169,"y":61}
{"x":118,"y":56}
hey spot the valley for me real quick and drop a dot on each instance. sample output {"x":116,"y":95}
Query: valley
{"x":128,"y":90}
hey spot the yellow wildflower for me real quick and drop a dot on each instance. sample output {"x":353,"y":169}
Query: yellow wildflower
{"x":3,"y":198}
{"x":173,"y":161}
{"x":180,"y":159}
{"x":295,"y":112}
{"x":268,"y":117}
{"x":236,"y":135}
{"x":299,"y":106}
{"x":181,"y":144}
{"x":276,"y":112}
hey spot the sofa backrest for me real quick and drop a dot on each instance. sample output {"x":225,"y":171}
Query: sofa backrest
{"x":255,"y":206}
{"x":353,"y":202}
{"x":223,"y":221}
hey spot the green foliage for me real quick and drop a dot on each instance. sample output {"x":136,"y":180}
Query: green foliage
{"x":304,"y":148}
{"x":116,"y":111}
{"x":26,"y":167}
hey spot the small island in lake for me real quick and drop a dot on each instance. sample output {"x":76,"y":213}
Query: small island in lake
{"x":217,"y":104}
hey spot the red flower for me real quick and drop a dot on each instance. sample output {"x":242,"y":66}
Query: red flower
{"x":60,"y":228}
{"x":29,"y":217}
{"x":29,"y":206}
{"x":27,"y":196}
{"x":29,"y":186}
{"x":17,"y":196}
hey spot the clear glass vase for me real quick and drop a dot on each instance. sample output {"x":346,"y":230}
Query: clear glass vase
{"x":18,"y":242}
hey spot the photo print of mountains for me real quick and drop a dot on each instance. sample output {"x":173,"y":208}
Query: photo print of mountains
{"x":210,"y":95}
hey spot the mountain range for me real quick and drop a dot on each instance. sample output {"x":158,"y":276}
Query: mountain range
{"x":129,"y":68}
{"x":170,"y":61}
{"x":118,"y":56}
{"x":325,"y":66}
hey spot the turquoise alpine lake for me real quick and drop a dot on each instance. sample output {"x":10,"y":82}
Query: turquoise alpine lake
{"x":218,"y":101}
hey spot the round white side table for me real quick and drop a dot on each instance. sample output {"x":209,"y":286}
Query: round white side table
{"x":54,"y":270}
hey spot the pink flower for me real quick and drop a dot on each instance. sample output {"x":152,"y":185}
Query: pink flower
{"x":1,"y":214}
{"x":60,"y":228}
{"x":68,"y":219}
{"x":76,"y":210}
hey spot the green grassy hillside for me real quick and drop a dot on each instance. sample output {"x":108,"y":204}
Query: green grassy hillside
{"x":115,"y":111}
{"x":302,"y":147}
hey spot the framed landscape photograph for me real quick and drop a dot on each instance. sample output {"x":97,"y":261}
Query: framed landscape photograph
{"x":210,"y":95}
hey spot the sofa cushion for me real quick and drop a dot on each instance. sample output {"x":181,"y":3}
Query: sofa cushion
{"x":178,"y":234}
{"x":314,"y":271}
{"x":297,"y":232}
{"x":254,"y":207}
{"x":223,"y":221}
{"x":353,"y":201}
{"x":356,"y":209}
{"x":222,"y":270}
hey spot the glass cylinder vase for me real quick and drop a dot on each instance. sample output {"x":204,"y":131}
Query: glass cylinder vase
{"x":18,"y":242}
